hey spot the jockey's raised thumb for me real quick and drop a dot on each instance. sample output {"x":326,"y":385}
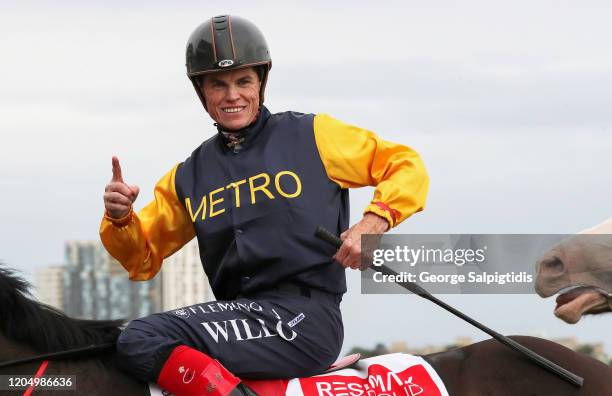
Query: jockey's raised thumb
{"x":117,"y":177}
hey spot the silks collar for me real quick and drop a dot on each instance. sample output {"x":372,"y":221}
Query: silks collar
{"x":239,"y":139}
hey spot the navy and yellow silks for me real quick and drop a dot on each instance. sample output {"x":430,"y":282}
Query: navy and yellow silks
{"x":255,"y":211}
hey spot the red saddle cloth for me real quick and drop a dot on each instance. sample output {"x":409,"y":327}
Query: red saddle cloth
{"x":394,"y":374}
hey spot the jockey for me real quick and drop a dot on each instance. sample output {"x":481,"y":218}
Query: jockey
{"x":253,"y":196}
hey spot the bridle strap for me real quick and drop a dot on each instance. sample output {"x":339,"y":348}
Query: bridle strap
{"x":70,"y":353}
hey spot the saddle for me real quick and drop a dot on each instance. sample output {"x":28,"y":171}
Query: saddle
{"x":344,"y":362}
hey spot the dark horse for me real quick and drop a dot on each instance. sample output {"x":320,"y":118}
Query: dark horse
{"x":28,"y":328}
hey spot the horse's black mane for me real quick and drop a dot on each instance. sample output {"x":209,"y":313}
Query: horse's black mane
{"x":45,"y":328}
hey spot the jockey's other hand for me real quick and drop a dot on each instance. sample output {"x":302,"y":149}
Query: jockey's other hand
{"x":349,"y":254}
{"x":118,"y":196}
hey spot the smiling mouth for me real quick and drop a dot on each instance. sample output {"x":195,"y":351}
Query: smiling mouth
{"x":233,"y":109}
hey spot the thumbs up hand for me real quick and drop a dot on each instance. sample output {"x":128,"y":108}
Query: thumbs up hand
{"x":118,"y":196}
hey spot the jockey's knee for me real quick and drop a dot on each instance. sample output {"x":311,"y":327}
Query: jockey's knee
{"x":142,"y":348}
{"x":137,"y":331}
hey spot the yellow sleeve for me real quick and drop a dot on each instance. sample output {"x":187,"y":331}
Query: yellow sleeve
{"x":141,"y":241}
{"x":355,"y":157}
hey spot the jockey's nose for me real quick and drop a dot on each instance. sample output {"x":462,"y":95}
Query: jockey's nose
{"x":232,"y":94}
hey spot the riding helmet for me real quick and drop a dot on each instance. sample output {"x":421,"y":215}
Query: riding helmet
{"x":227,"y":42}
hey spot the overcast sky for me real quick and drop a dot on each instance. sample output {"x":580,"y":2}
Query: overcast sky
{"x":509,"y":103}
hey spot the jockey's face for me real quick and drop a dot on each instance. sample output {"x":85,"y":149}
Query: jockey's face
{"x":232,"y":97}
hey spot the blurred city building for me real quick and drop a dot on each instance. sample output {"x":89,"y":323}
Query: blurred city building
{"x":401,"y":346}
{"x":93,"y":285}
{"x":97,"y":287}
{"x":595,"y":350}
{"x":49,"y":283}
{"x":183,"y":281}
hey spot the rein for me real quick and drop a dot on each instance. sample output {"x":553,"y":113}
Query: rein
{"x":70,"y":353}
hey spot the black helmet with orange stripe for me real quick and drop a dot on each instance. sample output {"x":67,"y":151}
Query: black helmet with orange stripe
{"x":227,"y":42}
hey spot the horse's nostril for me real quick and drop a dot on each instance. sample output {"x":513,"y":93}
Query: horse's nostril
{"x":554,"y":265}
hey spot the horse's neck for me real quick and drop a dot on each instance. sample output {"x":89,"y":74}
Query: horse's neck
{"x":10,"y":350}
{"x":97,"y":375}
{"x":602,"y":228}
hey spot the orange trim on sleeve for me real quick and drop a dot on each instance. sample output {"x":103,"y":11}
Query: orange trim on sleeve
{"x":394,"y":213}
{"x":372,"y":208}
{"x":121,"y":221}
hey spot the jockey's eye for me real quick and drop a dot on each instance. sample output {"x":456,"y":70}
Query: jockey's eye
{"x":245,"y":81}
{"x":214,"y":83}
